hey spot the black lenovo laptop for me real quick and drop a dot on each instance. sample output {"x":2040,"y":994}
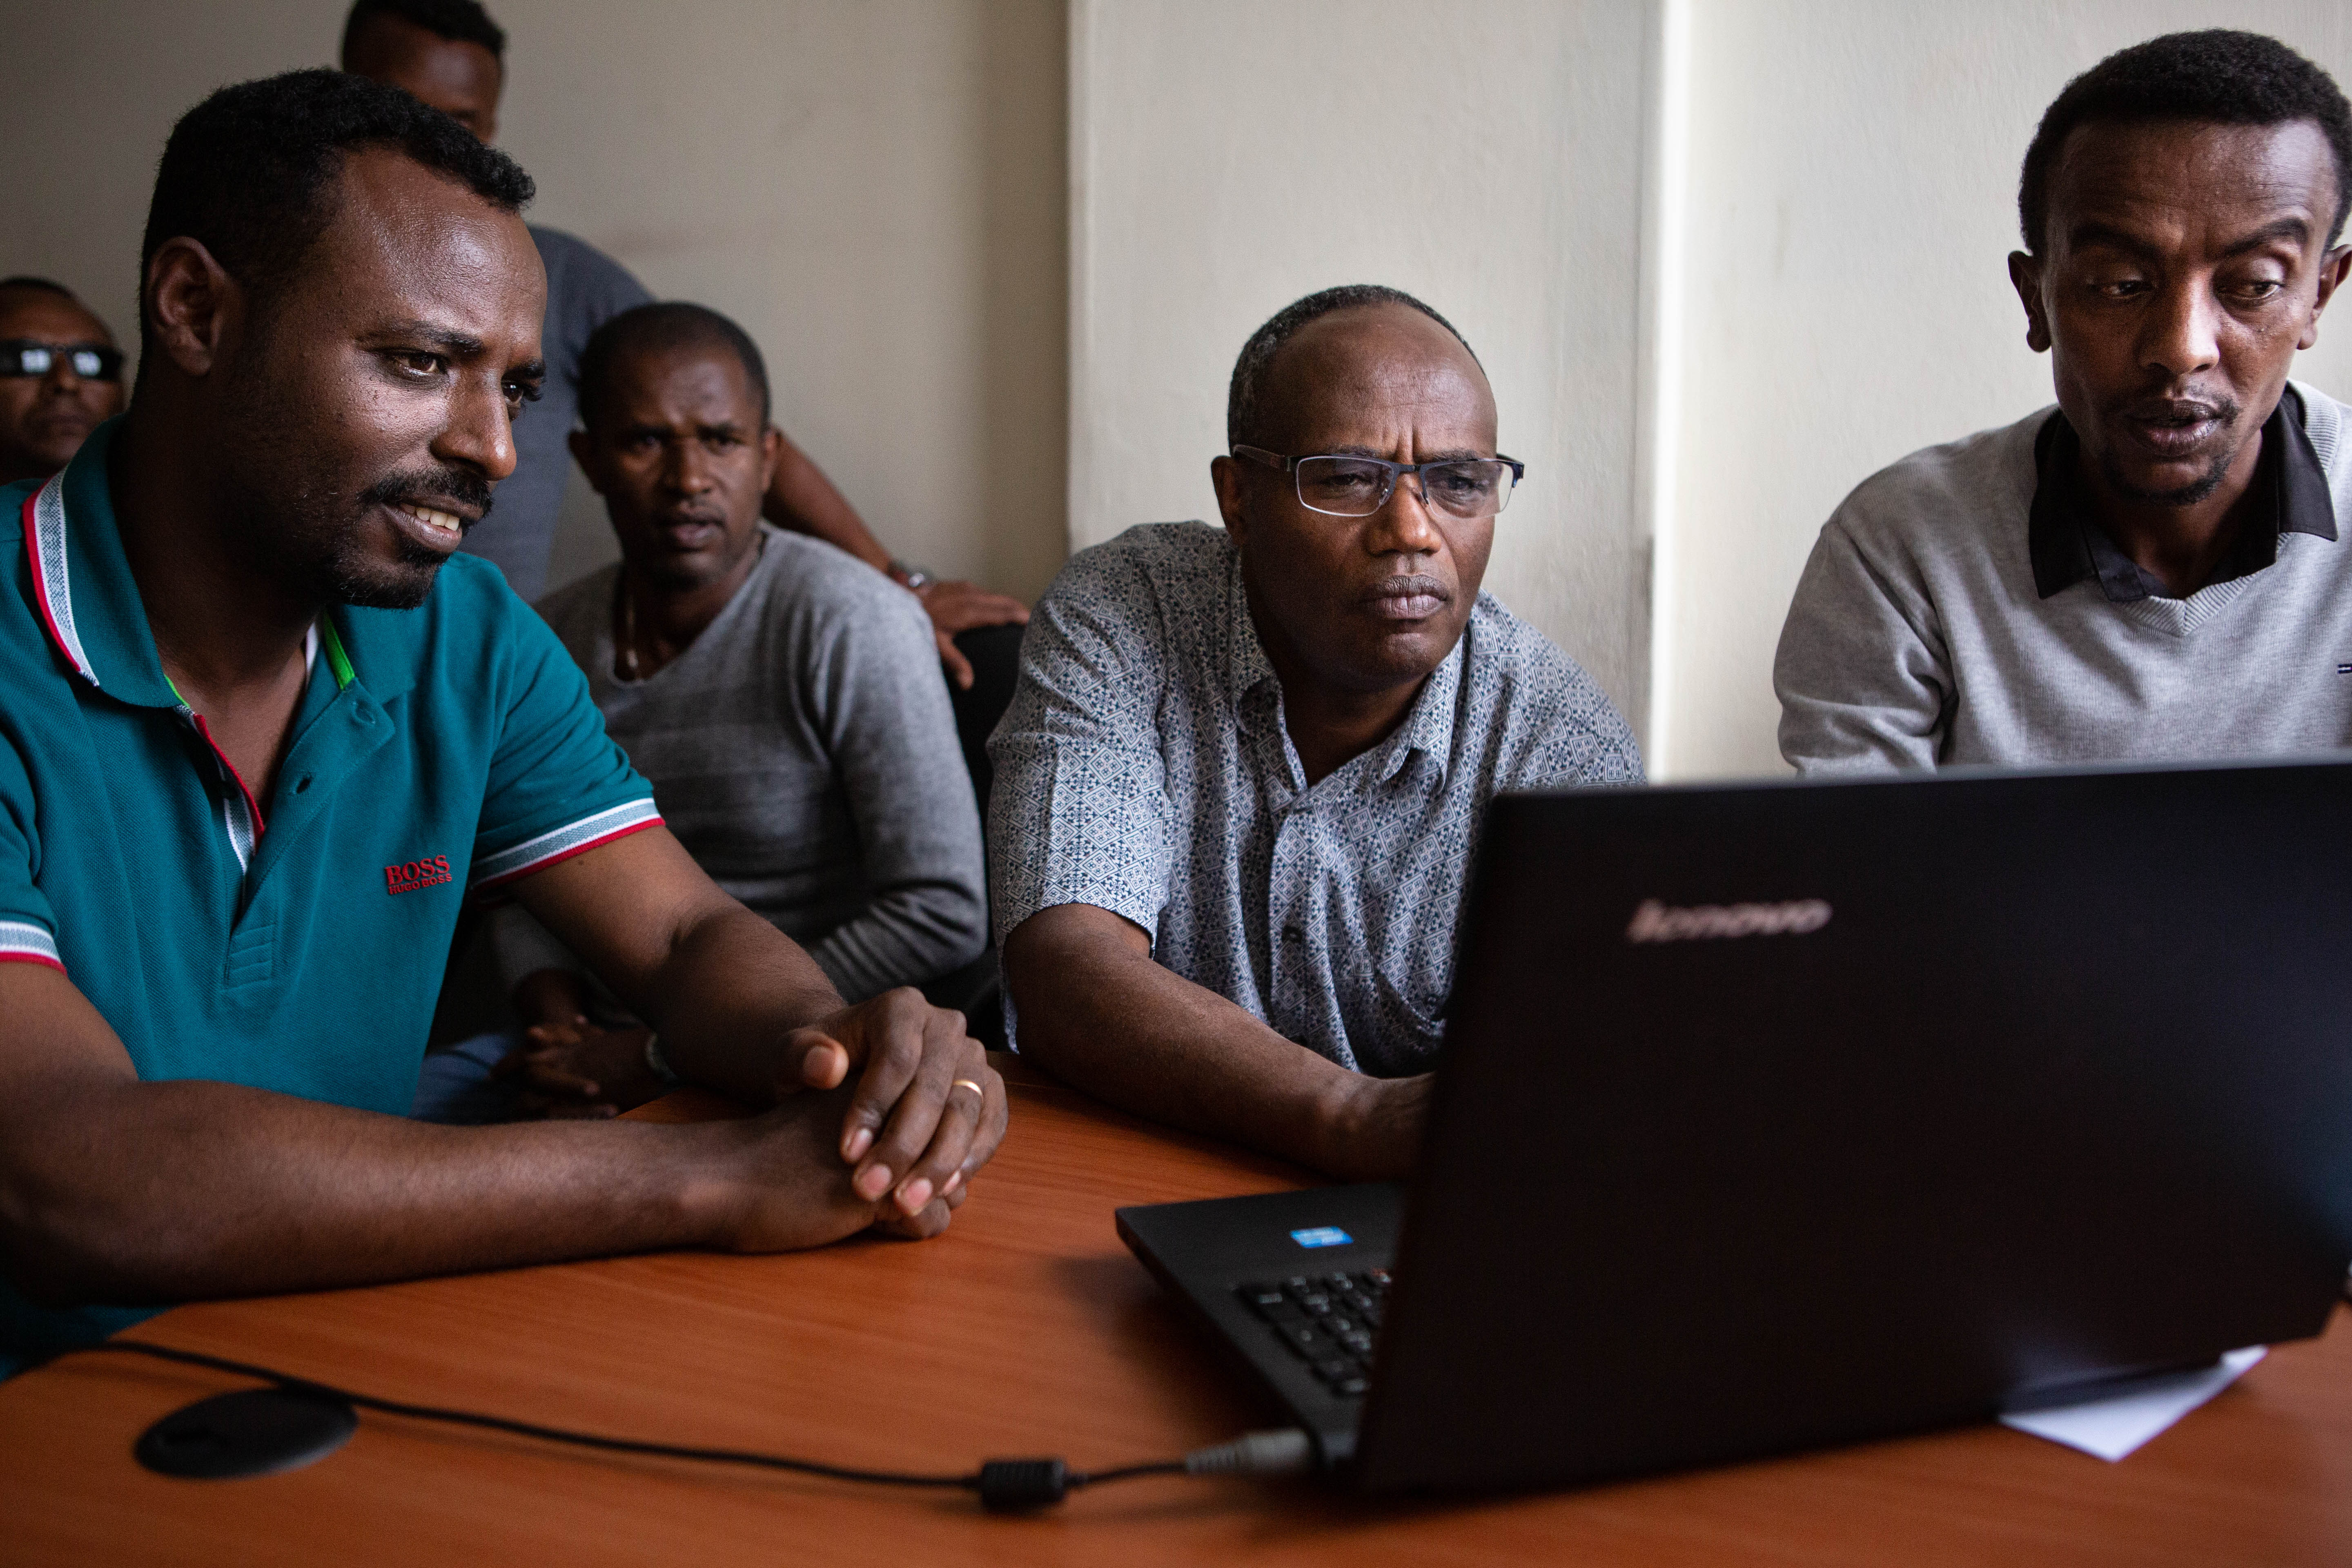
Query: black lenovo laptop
{"x":1786,"y":1115}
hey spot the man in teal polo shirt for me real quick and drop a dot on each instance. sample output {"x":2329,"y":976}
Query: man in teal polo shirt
{"x":260,"y":734}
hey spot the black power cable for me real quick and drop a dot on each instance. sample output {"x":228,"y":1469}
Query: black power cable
{"x":1003,"y":1485}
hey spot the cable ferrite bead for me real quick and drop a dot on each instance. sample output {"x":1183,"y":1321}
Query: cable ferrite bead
{"x":1008,"y":1486}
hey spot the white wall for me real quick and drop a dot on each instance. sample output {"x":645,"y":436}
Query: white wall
{"x":874,"y":187}
{"x":1228,"y":156}
{"x":1850,"y":205}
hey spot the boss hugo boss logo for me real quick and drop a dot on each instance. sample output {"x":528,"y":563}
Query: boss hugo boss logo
{"x":416,"y":873}
{"x":1654,"y":922}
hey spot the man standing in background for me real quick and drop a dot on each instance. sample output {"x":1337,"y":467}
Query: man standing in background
{"x":60,"y":376}
{"x":450,"y":53}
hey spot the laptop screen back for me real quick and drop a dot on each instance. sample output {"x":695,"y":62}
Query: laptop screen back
{"x":1784,"y":1115}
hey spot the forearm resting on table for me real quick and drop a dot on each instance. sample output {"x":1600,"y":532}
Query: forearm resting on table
{"x":742,"y":1009}
{"x":1097,"y":1012}
{"x":723,"y":985}
{"x":112,"y":1189}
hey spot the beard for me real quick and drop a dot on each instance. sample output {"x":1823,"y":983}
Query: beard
{"x":2196,"y":489}
{"x":2186,"y":496}
{"x":315,"y":538}
{"x":299,"y":519}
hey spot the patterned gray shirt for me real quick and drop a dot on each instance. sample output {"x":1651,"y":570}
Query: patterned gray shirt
{"x":1145,"y":768}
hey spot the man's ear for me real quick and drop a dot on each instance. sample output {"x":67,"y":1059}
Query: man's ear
{"x":2025,"y":276}
{"x":195,"y":311}
{"x":584,"y":453}
{"x":2332,"y":267}
{"x":772,"y":452}
{"x":1226,"y":475}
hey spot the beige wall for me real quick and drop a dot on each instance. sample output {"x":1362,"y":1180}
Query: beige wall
{"x":1710,"y":307}
{"x":94,"y":89}
{"x":874,"y":187}
{"x":1228,"y":156}
{"x":1850,"y":205}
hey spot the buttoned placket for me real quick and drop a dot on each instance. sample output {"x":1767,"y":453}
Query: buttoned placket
{"x":334,"y":743}
{"x":1299,"y":857}
{"x":1293,"y":867}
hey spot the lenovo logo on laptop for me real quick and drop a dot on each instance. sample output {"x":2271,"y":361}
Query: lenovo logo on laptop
{"x":1654,"y":922}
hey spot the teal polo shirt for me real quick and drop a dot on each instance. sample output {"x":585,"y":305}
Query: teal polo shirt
{"x":294,"y":944}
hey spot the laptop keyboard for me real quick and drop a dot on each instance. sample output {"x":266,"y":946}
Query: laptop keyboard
{"x":1328,"y":1320}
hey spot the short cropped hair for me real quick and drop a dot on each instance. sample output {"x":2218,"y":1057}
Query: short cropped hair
{"x":1244,"y":411}
{"x":670,"y":324}
{"x":2219,"y":75}
{"x":25,"y":280}
{"x":459,"y":21}
{"x":249,"y":172}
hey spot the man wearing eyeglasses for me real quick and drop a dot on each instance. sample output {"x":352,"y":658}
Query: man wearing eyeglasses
{"x":60,"y":377}
{"x":1237,"y":788}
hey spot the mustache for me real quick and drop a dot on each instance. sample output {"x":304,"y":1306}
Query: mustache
{"x":432,"y":487}
{"x":2184,"y":410}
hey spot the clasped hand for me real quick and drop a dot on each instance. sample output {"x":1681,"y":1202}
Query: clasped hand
{"x":925,"y":1113}
{"x":884,"y":1112}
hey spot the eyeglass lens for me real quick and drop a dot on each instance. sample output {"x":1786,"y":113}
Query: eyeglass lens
{"x":90,"y":361}
{"x":1357,"y":487}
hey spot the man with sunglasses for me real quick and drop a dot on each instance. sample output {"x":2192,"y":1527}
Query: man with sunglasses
{"x":1237,"y":789}
{"x":60,"y":377}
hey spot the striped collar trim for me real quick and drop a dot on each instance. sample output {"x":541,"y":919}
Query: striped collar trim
{"x":573,"y":838}
{"x":51,"y":560}
{"x":45,"y":551}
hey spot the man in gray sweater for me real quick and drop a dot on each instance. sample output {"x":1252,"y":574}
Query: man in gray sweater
{"x":450,"y":54}
{"x":2153,"y":569}
{"x":784,"y":700}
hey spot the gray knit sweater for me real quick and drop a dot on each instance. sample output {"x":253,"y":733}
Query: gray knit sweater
{"x":803,"y":752}
{"x":1917,"y":638}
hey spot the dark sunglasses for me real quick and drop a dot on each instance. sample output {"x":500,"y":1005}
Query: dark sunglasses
{"x":92,"y":362}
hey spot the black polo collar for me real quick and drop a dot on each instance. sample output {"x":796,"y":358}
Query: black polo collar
{"x":2067,"y":544}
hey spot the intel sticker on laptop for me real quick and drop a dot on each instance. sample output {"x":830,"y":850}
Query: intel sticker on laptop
{"x":1321,"y":1235}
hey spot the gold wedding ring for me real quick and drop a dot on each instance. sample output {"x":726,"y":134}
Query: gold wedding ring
{"x":966,"y":1083}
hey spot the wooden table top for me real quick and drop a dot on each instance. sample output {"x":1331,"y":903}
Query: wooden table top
{"x":1027,"y":1330}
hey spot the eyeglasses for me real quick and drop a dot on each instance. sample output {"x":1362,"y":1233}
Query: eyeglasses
{"x":1465,"y":488}
{"x":29,"y":356}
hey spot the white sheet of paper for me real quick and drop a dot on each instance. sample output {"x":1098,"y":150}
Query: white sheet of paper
{"x":2113,"y":1424}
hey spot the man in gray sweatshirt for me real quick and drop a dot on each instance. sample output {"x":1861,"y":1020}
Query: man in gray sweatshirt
{"x":2153,"y":569}
{"x":784,"y":700}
